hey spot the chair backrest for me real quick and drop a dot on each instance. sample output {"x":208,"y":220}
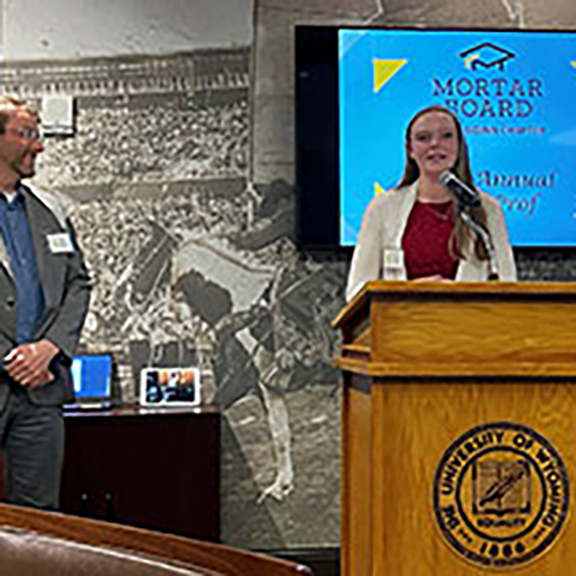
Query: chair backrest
{"x":34,"y":543}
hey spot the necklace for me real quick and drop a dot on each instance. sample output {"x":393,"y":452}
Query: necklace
{"x":441,"y":210}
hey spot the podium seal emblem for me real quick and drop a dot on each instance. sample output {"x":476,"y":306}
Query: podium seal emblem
{"x":501,"y":495}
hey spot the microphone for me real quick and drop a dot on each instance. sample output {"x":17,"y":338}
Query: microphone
{"x":469,"y":198}
{"x":466,"y":196}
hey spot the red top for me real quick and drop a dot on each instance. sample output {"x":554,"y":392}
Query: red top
{"x":426,"y":239}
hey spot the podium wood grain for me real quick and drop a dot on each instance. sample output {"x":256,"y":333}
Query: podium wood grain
{"x":423,"y":364}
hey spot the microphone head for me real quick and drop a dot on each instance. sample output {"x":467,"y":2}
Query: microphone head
{"x":465,"y":195}
{"x":445,"y":178}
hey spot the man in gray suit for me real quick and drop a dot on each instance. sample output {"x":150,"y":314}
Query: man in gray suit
{"x":44,"y":295}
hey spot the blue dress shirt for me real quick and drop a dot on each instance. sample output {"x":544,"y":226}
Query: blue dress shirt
{"x":15,"y":230}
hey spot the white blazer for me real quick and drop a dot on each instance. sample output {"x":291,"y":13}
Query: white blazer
{"x":378,"y":253}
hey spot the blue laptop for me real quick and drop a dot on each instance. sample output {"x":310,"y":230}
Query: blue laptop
{"x":92,"y":377}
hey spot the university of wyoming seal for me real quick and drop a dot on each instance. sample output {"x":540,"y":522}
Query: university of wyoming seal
{"x":501,"y":494}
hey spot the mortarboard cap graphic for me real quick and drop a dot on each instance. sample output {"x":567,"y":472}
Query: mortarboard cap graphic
{"x":487,"y":55}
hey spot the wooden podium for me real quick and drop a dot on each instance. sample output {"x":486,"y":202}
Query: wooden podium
{"x":459,"y":429}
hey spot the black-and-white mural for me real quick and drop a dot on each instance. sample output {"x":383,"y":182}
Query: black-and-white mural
{"x":193,"y":264}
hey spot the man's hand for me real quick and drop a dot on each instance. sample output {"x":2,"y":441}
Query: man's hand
{"x":28,"y":364}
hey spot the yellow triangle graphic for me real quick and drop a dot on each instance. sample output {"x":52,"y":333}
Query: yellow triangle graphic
{"x":384,"y":70}
{"x":573,"y":63}
{"x":378,"y":189}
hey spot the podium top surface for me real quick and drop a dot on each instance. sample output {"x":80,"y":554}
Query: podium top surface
{"x":457,"y":329}
{"x":407,"y":289}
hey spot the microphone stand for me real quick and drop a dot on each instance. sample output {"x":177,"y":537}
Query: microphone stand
{"x":486,"y":239}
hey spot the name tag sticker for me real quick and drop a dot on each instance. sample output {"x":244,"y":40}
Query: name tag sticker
{"x":394,"y":259}
{"x":60,"y":243}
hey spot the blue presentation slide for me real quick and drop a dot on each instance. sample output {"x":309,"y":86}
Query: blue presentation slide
{"x":514,"y":93}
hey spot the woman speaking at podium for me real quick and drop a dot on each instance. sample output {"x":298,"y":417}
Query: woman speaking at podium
{"x":435,"y":226}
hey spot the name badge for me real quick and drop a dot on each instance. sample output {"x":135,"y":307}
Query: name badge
{"x":394,"y":259}
{"x":60,"y":243}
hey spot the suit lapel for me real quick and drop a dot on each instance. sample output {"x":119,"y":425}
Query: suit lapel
{"x":4,"y":258}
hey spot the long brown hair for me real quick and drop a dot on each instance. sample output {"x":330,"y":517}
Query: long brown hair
{"x":461,"y":236}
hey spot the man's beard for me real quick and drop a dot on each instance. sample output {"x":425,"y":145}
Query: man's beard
{"x":25,"y":169}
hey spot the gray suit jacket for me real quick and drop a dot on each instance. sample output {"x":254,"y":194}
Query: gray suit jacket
{"x":66,"y":286}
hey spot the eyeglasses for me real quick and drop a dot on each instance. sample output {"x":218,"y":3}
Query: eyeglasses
{"x":27,"y":133}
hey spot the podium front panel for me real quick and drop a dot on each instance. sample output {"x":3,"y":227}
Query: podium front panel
{"x":459,"y":420}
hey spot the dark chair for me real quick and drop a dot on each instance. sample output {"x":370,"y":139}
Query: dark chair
{"x":34,"y":543}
